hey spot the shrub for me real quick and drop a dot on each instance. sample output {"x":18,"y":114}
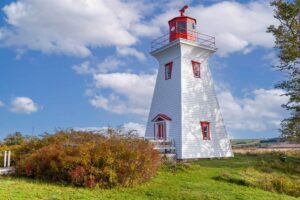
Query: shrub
{"x":14,"y":139}
{"x":266,"y":181}
{"x":87,"y":159}
{"x":281,"y":184}
{"x":77,"y":175}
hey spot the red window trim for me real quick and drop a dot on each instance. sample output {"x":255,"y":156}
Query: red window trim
{"x":194,"y":68}
{"x":203,"y":123}
{"x":162,"y":116}
{"x":170,"y":64}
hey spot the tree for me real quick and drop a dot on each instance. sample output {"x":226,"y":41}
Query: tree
{"x":14,"y":139}
{"x":287,"y":35}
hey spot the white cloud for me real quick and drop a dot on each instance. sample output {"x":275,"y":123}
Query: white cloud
{"x":125,"y":97}
{"x":90,"y":129}
{"x":130,"y":126}
{"x":272,"y":57}
{"x":139,"y":128}
{"x":23,"y":105}
{"x":1,"y":104}
{"x":237,"y":27}
{"x":127,"y":51}
{"x":227,"y":42}
{"x":240,"y":25}
{"x":83,"y":68}
{"x":260,"y":112}
{"x":110,"y":64}
{"x":71,"y":27}
{"x":74,"y":27}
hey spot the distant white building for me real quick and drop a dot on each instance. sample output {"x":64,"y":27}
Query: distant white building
{"x":184,"y":106}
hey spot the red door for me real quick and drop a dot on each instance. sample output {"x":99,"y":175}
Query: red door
{"x":161,"y":131}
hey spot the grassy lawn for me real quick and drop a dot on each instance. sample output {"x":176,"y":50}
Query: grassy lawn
{"x":193,"y":180}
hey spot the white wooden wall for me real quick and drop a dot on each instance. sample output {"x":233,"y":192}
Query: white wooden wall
{"x":167,"y":96}
{"x":199,"y":103}
{"x":188,"y":100}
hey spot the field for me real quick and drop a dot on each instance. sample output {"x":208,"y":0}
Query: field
{"x":233,"y":178}
{"x":244,"y":141}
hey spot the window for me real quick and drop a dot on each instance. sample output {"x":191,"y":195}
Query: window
{"x":190,"y":26}
{"x":181,"y":27}
{"x":196,"y":69}
{"x":168,"y":70}
{"x":205,"y":127}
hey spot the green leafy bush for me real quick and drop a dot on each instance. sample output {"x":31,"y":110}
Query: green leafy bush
{"x":87,"y":159}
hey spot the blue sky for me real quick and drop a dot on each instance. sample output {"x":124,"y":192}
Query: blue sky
{"x":86,"y":63}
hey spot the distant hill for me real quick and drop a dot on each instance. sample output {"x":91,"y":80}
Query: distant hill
{"x":245,"y":141}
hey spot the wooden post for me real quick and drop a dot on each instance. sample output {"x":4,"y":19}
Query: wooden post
{"x":8,"y":158}
{"x":5,"y":153}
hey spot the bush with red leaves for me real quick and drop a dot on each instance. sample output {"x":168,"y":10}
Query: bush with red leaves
{"x":88,"y":159}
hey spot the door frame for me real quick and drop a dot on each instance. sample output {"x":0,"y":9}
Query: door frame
{"x":160,"y":130}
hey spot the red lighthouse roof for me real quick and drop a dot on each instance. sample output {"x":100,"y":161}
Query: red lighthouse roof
{"x":182,"y":16}
{"x":182,"y":26}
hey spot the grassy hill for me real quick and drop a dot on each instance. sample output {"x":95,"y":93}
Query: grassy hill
{"x":202,"y":179}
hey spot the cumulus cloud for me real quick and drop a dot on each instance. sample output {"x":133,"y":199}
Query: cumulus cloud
{"x":139,"y":128}
{"x":110,"y":64}
{"x":89,"y":129}
{"x":127,"y":51}
{"x":83,"y":68}
{"x":23,"y":105}
{"x":125,"y":97}
{"x":75,"y":27}
{"x":260,"y":112}
{"x":71,"y":27}
{"x":1,"y":104}
{"x":130,"y":126}
{"x":238,"y":27}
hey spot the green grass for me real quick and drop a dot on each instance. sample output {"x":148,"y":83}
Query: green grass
{"x":193,"y":180}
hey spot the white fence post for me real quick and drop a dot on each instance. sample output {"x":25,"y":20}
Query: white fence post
{"x":5,"y":154}
{"x":8,"y":159}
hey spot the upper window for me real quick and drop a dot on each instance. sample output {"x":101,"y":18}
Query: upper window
{"x":205,"y":128}
{"x":196,"y":69}
{"x":168,"y":70}
{"x":181,"y":27}
{"x":190,"y":26}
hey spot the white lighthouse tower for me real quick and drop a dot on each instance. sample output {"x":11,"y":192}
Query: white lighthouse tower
{"x":184,"y":107}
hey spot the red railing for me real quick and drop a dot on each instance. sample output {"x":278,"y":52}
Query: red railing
{"x":191,"y":35}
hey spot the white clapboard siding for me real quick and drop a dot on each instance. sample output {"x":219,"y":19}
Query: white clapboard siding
{"x":188,"y":100}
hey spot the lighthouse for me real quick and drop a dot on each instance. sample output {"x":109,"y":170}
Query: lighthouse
{"x":184,"y":107}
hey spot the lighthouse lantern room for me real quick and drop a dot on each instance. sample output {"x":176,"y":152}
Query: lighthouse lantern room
{"x":182,"y":27}
{"x":184,"y":108}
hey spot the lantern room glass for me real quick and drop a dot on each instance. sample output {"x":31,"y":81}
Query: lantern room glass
{"x":181,"y":27}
